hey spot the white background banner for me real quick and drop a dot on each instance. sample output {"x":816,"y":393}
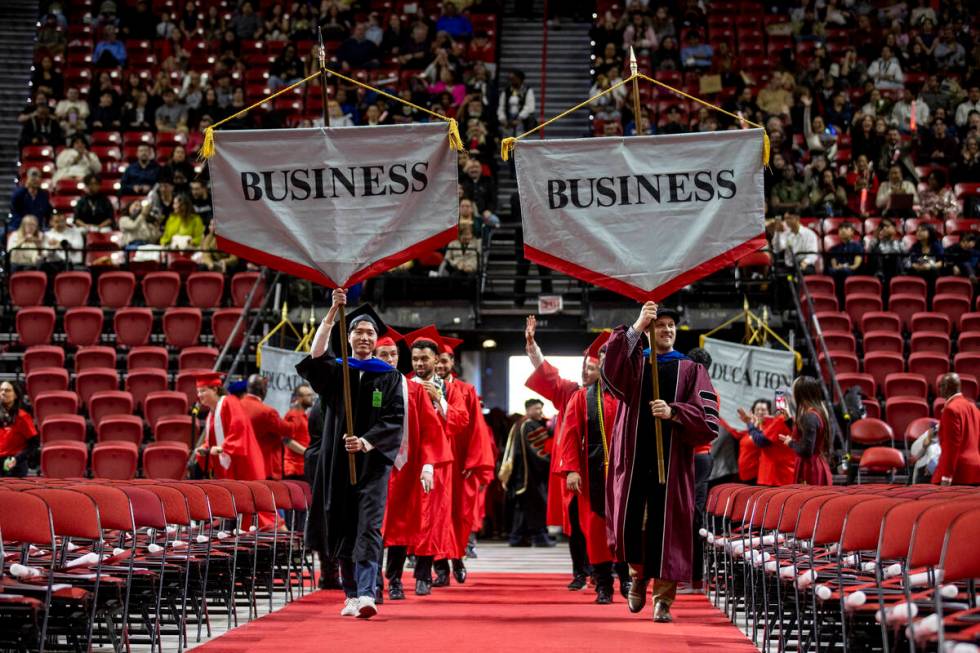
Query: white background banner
{"x":335,"y":205}
{"x":743,"y":373}
{"x":646,"y":215}
{"x":279,"y":366}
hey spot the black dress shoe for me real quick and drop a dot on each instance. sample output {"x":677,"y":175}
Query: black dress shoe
{"x":545,"y":542}
{"x":661,"y":613}
{"x":624,"y":587}
{"x":379,"y":593}
{"x":578,"y":582}
{"x":442,"y":580}
{"x":422,"y":588}
{"x":330,"y":584}
{"x":637,"y":596}
{"x":459,"y":573}
{"x":603,"y":595}
{"x":395,"y":590}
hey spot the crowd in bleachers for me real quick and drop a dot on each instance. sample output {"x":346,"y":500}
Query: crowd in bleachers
{"x":872,"y":111}
{"x":122,"y":92}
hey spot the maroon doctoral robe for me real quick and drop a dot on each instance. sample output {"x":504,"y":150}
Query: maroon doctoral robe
{"x":650,"y":524}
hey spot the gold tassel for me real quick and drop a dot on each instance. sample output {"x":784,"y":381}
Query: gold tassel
{"x":506,"y":147}
{"x":455,"y":141}
{"x":207,"y":147}
{"x":765,"y":148}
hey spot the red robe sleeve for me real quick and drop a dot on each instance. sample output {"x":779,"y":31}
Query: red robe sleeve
{"x":547,"y":382}
{"x":479,"y":456}
{"x":457,"y":417}
{"x":572,"y":434}
{"x":950,"y":443}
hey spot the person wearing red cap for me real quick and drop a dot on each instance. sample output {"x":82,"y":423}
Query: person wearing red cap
{"x":587,"y":429}
{"x":418,"y":514}
{"x":650,"y":488}
{"x":475,"y":445}
{"x":345,"y":518}
{"x":547,"y":382}
{"x":268,"y":426}
{"x":473,"y":461}
{"x":231,"y":451}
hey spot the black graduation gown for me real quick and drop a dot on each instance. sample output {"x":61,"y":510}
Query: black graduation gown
{"x":532,"y":467}
{"x":345,"y":520}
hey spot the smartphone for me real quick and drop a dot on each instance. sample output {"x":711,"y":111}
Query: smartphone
{"x":779,"y":403}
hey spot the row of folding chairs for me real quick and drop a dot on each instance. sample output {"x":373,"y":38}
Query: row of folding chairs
{"x":129,"y":563}
{"x":853,"y":568}
{"x":116,"y":289}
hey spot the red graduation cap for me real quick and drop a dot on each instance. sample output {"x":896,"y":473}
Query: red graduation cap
{"x":208,"y":379}
{"x":597,"y":345}
{"x":391,"y":338}
{"x":449,"y":344}
{"x":426,"y":333}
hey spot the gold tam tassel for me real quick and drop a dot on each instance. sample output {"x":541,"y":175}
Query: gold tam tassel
{"x":207,"y":147}
{"x":765,"y":148}
{"x":506,"y":147}
{"x":455,"y":142}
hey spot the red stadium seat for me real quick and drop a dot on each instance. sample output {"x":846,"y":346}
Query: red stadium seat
{"x":930,"y":342}
{"x":197,"y":358}
{"x":64,"y":460}
{"x":54,"y":402}
{"x":241,"y":285}
{"x":165,"y":460}
{"x":969,"y":386}
{"x":880,"y":364}
{"x":163,"y":403}
{"x":900,"y":411}
{"x":133,"y":326}
{"x":223,"y":323}
{"x":954,"y":286}
{"x":953,"y":305}
{"x":969,"y":341}
{"x":929,"y":365}
{"x":40,"y":356}
{"x":63,"y":427}
{"x":890,"y":341}
{"x":819,"y":284}
{"x":861,"y":284}
{"x":858,"y":304}
{"x":72,"y":288}
{"x":880,"y":321}
{"x":35,"y":325}
{"x":115,"y":460}
{"x":104,"y":403}
{"x":175,"y":428}
{"x":142,"y":382}
{"x":906,"y":384}
{"x":865,"y":382}
{"x":869,"y":432}
{"x":932,"y":323}
{"x":835,"y":322}
{"x":120,"y":428}
{"x":160,"y":289}
{"x":840,"y":342}
{"x":907,"y":285}
{"x":182,"y":326}
{"x":116,"y":288}
{"x":187,"y":383}
{"x":967,"y":363}
{"x":27,"y":288}
{"x":906,"y":305}
{"x":46,"y":379}
{"x":824,"y":304}
{"x":844,"y":362}
{"x":881,"y":460}
{"x":147,"y":357}
{"x":83,"y":325}
{"x":204,"y":289}
{"x":89,"y":382}
{"x":872,"y":408}
{"x":969,"y":322}
{"x":94,"y":356}
{"x":916,"y":428}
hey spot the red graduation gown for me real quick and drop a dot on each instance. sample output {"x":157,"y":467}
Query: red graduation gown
{"x":777,"y":462}
{"x":414,"y":519}
{"x":547,"y":382}
{"x":269,"y":430}
{"x":959,"y":439}
{"x":298,"y":427}
{"x":472,"y":453}
{"x":246,"y":460}
{"x":574,"y":457}
{"x":748,"y":453}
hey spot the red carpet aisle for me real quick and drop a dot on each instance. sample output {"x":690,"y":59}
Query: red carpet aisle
{"x":492,"y":612}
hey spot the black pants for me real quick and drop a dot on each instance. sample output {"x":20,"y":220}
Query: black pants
{"x":396,"y":564}
{"x":576,"y":543}
{"x":702,"y":470}
{"x":441,"y":566}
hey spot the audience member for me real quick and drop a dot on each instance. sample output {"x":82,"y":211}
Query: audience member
{"x":926,"y":254}
{"x":887,"y":250}
{"x":794,"y":239}
{"x":109,"y":52}
{"x":77,"y":161}
{"x":18,"y":435}
{"x":171,"y":116}
{"x":141,"y":174}
{"x":896,"y":186}
{"x":961,"y":257}
{"x":63,"y":243}
{"x":30,"y":199}
{"x":138,"y":225}
{"x":515,"y":110}
{"x":25,"y":243}
{"x":463,"y":254}
{"x":93,"y":209}
{"x":183,"y":229}
{"x":40,"y":128}
{"x":846,"y":257}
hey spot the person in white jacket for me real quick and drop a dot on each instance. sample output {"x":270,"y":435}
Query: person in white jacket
{"x":886,"y":71}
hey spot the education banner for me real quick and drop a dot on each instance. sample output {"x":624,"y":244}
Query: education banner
{"x":279,"y":367}
{"x":743,"y":373}
{"x":336,"y":205}
{"x":643,"y":216}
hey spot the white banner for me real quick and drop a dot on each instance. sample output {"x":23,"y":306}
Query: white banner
{"x":279,"y":367}
{"x":337,"y":205}
{"x":743,"y":373}
{"x":643,"y":216}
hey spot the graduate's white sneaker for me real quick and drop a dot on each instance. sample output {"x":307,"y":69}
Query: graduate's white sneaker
{"x":366,"y":607}
{"x":350,"y":608}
